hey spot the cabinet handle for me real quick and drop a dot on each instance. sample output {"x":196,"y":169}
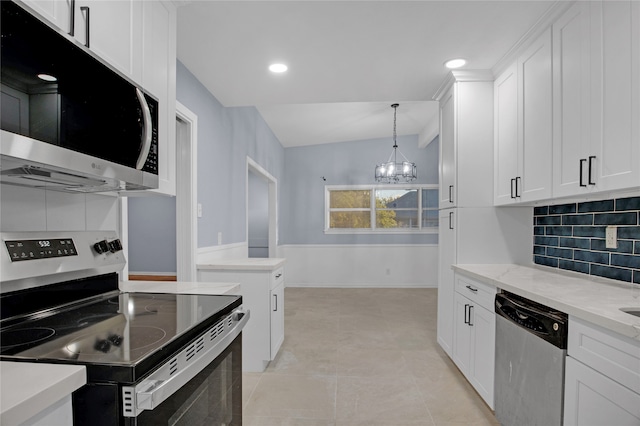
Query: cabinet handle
{"x":466,"y":309}
{"x":518,"y":187}
{"x":72,"y":18}
{"x":450,"y":220}
{"x":512,"y":184}
{"x":472,"y":289}
{"x":451,"y":193}
{"x":276,"y":308}
{"x":278,"y":276}
{"x":591,"y":158}
{"x":470,"y":323}
{"x":85,"y":9}
{"x":582,"y":161}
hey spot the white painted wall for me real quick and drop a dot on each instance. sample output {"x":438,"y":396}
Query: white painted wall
{"x":340,"y":265}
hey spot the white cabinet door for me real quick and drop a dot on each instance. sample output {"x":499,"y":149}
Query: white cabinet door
{"x":159,"y":79}
{"x":55,"y":11}
{"x":447,"y":257}
{"x":447,"y":150}
{"x":277,"y":318}
{"x":115,"y":32}
{"x":506,"y":135}
{"x":482,"y":357}
{"x":535,"y":134}
{"x":462,"y":333}
{"x":571,"y":99}
{"x":615,"y":55}
{"x":592,"y":399}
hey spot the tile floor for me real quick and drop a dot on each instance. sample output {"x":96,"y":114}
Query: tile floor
{"x":361,"y":357}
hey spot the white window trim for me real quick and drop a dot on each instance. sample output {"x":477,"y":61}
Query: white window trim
{"x":372,"y":209}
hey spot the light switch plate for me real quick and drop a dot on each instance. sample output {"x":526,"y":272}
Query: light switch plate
{"x":612,"y":237}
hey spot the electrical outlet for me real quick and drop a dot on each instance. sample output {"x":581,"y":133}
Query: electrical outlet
{"x":199,"y":210}
{"x":219,"y":238}
{"x":612,"y":237}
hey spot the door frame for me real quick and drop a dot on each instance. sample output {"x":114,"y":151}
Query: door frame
{"x":186,"y":192}
{"x":253,"y":166}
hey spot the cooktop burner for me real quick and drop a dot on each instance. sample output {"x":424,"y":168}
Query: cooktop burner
{"x":23,"y":337}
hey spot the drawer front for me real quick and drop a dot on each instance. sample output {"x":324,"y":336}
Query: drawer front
{"x":277,"y":277}
{"x":477,"y":292}
{"x":615,"y":356}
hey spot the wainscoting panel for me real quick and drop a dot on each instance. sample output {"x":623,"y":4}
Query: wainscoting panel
{"x":399,"y":266}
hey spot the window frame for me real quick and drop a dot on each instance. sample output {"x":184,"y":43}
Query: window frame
{"x":372,"y":209}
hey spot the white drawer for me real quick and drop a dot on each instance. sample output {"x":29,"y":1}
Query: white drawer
{"x":614,"y":355}
{"x":478,"y":292}
{"x":277,"y":277}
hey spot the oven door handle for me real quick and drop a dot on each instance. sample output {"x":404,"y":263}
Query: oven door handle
{"x":151,"y":393}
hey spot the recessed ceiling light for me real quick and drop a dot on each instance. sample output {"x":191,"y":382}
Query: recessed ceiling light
{"x":47,"y":77}
{"x":455,"y":63}
{"x":278,"y":68}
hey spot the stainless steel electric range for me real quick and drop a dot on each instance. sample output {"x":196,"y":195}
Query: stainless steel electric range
{"x":151,"y":358}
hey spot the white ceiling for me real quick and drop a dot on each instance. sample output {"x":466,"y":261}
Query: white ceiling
{"x":348,"y":60}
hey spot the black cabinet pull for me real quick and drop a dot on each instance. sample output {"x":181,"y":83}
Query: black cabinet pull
{"x":451,"y":193}
{"x":512,"y":184}
{"x":472,"y":289}
{"x":85,"y":9}
{"x":276,"y":308}
{"x":450,"y":220}
{"x":72,"y":18}
{"x":518,"y":191}
{"x":582,"y":161}
{"x":591,"y":158}
{"x":470,"y":323}
{"x":467,"y":319}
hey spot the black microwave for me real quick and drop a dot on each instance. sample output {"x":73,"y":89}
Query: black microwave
{"x":69,"y":120}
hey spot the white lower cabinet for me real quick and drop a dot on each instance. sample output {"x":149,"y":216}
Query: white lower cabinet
{"x":602,"y":377}
{"x":475,"y":334}
{"x":263,"y":294}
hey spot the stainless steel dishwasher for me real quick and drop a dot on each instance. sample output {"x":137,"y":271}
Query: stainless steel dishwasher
{"x":531,"y":346}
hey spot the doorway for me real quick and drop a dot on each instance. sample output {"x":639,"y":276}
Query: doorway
{"x":261,"y":211}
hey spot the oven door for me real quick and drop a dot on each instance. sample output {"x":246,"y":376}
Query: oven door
{"x":212,"y":397}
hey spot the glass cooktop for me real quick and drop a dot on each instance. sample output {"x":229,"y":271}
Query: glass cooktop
{"x":120,"y":329}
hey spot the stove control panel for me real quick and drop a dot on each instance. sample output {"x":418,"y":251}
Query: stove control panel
{"x":20,"y":250}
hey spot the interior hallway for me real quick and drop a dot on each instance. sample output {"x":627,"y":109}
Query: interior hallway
{"x":361,"y":357}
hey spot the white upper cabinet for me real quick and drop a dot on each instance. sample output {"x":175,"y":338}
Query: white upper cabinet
{"x":571,"y":103}
{"x":615,"y":121}
{"x":597,"y":98}
{"x":466,"y":137}
{"x":523,"y":126}
{"x":55,"y":11}
{"x":506,"y":135}
{"x":159,"y":79}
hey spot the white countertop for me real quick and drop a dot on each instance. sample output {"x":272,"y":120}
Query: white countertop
{"x":184,"y":287}
{"x":28,"y":388}
{"x":593,"y":299}
{"x":249,"y":264}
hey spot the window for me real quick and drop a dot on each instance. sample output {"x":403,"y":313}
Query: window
{"x":381,"y":208}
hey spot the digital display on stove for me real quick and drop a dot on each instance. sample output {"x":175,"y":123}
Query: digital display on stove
{"x":40,"y":249}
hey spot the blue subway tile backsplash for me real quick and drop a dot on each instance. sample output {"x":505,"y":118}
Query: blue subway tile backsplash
{"x":572,"y":237}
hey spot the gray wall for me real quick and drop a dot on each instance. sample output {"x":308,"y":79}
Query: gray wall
{"x":258,"y":219}
{"x":345,"y":163}
{"x":152,"y":234}
{"x":226,"y":136}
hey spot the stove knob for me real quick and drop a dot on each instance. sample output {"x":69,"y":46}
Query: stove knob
{"x":115,"y":246}
{"x":102,"y":345}
{"x":116,"y":339}
{"x":101,"y":247}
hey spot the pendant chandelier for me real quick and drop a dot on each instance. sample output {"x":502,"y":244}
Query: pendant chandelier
{"x":393,"y":171}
